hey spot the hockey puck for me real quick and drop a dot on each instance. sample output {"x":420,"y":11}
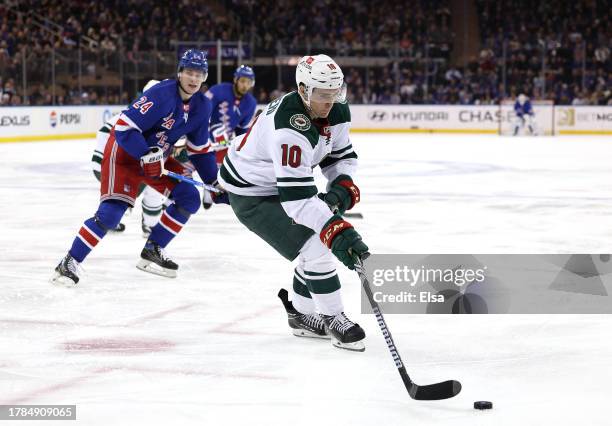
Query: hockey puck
{"x":483,"y":405}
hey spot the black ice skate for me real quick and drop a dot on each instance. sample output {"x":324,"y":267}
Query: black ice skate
{"x":119,"y":228}
{"x":303,"y":325}
{"x":66,"y":272}
{"x":345,"y":333}
{"x":153,"y":259}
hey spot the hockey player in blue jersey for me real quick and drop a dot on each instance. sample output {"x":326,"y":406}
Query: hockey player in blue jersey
{"x":233,"y":107}
{"x":137,"y":152}
{"x":524,"y":114}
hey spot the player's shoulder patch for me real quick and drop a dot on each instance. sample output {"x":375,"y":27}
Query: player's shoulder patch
{"x":300,"y":122}
{"x":290,"y":113}
{"x":340,"y":113}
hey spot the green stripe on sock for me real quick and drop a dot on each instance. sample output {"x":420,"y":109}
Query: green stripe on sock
{"x":310,"y":274}
{"x":151,"y":212}
{"x":300,"y":288}
{"x":325,"y":286}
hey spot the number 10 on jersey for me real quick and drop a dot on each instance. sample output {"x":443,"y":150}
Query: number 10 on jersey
{"x":291,"y":156}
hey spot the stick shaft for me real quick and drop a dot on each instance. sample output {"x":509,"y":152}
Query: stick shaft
{"x":191,"y":181}
{"x":382,"y":323}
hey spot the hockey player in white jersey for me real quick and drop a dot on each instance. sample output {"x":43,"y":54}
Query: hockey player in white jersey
{"x":524,"y":115}
{"x":268,"y":174}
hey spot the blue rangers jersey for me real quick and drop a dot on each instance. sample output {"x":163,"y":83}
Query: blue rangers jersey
{"x":230,"y":115}
{"x":521,"y":110}
{"x":160,"y":117}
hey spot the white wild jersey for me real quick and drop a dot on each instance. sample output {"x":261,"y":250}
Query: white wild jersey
{"x":279,"y":152}
{"x":101,"y":138}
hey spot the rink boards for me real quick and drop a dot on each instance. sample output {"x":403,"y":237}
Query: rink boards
{"x":79,"y":122}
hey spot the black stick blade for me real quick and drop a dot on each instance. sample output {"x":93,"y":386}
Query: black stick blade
{"x":442,"y":390}
{"x":283,"y":295}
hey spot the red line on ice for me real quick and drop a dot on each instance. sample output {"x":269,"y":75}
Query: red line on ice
{"x":226,"y":327}
{"x":46,"y":390}
{"x":161,"y":314}
{"x":190,"y":372}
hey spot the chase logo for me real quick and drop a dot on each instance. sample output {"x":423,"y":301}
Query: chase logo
{"x":53,"y":118}
{"x":377,"y":115}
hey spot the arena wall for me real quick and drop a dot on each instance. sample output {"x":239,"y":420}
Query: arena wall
{"x":79,"y":122}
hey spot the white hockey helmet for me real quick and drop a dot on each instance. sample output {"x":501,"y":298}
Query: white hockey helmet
{"x":522,"y":98}
{"x":150,"y":84}
{"x":322,"y":72}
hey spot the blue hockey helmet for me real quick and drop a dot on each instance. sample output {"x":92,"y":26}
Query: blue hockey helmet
{"x":194,"y":59}
{"x":244,"y":71}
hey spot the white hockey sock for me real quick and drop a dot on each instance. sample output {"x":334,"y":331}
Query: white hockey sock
{"x":299,"y":293}
{"x":318,"y":267}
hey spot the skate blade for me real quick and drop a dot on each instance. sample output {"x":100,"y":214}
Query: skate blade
{"x":62,"y":281}
{"x":354,"y":346}
{"x":152,"y":268}
{"x":299,"y":332}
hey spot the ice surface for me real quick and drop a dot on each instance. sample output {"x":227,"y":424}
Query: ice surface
{"x":212,"y":347}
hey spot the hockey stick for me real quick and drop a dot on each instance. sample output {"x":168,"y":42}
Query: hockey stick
{"x":191,"y":181}
{"x":436,"y":391}
{"x":335,"y":209}
{"x":353,"y":215}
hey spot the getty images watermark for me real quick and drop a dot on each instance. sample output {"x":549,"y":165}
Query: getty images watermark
{"x":37,"y":412}
{"x":488,"y":283}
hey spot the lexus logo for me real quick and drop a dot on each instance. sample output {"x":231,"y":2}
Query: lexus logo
{"x":378,"y":115}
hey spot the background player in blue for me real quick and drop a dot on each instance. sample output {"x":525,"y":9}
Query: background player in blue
{"x":524,"y":114}
{"x":137,"y":151}
{"x":233,"y":107}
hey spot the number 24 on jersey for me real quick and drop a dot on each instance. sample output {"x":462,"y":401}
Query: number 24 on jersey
{"x":142,"y":105}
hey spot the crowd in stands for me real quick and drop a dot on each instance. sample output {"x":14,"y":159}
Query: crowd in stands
{"x":359,"y":27}
{"x":571,"y":41}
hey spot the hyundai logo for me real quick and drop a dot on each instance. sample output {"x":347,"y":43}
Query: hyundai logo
{"x":378,"y":115}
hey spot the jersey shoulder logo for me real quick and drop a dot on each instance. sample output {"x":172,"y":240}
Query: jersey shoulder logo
{"x":300,"y":122}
